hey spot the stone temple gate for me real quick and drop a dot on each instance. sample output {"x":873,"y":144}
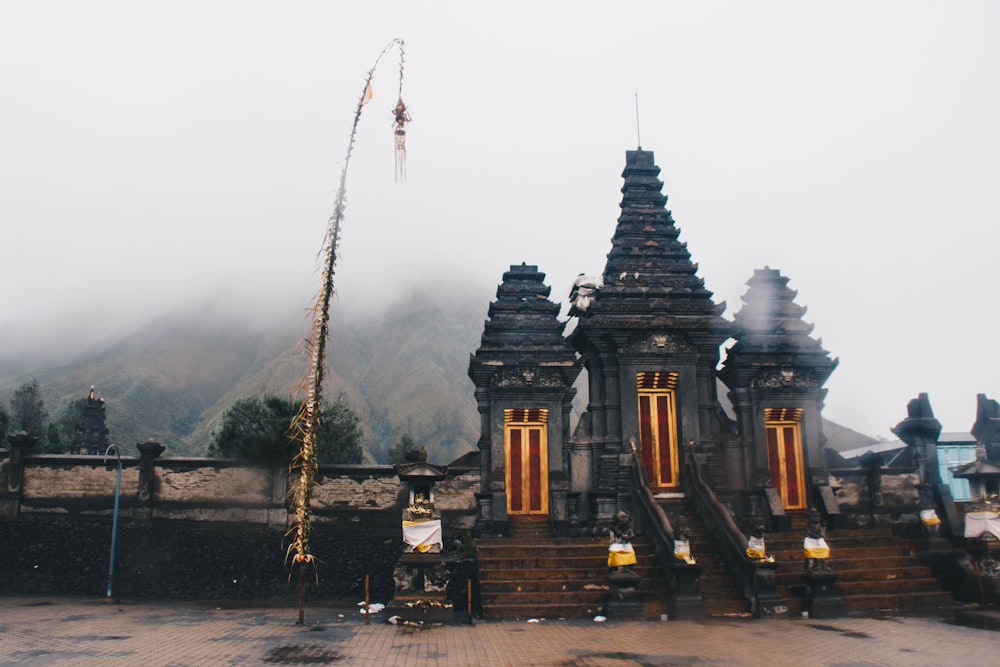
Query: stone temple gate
{"x":649,"y":334}
{"x":721,"y":469}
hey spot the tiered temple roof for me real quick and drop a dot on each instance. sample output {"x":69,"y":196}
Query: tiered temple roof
{"x":649,"y":278}
{"x":523,"y":330}
{"x":774,"y":346}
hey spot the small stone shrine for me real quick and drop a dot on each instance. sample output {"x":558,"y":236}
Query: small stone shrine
{"x":91,"y":435}
{"x":421,"y":576}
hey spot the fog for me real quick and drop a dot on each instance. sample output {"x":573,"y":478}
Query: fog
{"x":154,"y":154}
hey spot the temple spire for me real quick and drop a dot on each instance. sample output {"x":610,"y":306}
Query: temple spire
{"x":648,"y":267}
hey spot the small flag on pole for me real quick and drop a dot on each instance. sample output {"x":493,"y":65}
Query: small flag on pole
{"x":368,"y":94}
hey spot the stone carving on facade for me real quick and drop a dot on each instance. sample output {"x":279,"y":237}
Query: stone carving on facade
{"x":657,"y":343}
{"x":520,"y":377}
{"x":761,"y":479}
{"x":773,"y":378}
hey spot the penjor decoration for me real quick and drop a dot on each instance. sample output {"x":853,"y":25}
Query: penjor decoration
{"x":305,"y":425}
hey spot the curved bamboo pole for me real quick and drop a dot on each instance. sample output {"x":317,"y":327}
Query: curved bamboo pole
{"x":305,"y":425}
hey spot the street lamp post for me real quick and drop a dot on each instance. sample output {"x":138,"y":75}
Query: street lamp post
{"x":114,"y":520}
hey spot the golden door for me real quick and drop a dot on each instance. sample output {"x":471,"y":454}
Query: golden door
{"x":784,"y":456}
{"x":526,"y":454}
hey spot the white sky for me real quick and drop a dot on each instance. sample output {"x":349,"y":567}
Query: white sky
{"x":151,"y":153}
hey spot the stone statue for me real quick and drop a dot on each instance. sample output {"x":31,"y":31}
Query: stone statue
{"x":621,"y":556}
{"x":682,"y":545}
{"x":403,"y":578}
{"x":814,"y":547}
{"x":929,"y":519}
{"x":756,"y":548}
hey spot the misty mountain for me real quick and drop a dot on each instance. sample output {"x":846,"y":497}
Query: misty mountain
{"x":403,"y":371}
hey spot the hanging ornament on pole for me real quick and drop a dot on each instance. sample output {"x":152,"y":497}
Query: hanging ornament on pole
{"x":401,"y":118}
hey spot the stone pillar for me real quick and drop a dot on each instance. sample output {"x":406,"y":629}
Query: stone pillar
{"x":821,"y":599}
{"x":598,"y":420}
{"x":613,"y":408}
{"x":920,"y":430}
{"x":10,"y":492}
{"x":148,"y":453}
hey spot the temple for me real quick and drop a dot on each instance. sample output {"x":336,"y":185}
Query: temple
{"x":649,"y":334}
{"x":91,"y":434}
{"x":730,"y":452}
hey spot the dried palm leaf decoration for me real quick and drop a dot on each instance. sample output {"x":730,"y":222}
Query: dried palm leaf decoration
{"x":305,"y":426}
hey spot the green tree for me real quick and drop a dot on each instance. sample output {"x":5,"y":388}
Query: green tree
{"x":340,"y":435}
{"x":69,"y":420}
{"x":53,"y":440}
{"x":258,"y":429}
{"x":397,"y":453}
{"x":4,"y":426}
{"x":28,"y":411}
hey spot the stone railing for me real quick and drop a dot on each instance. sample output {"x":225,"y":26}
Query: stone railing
{"x":756,"y":577}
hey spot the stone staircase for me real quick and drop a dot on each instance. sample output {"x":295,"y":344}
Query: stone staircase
{"x":720,"y":593}
{"x":532,"y":574}
{"x":877,"y":571}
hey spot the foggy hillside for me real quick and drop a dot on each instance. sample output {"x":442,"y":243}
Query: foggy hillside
{"x":403,"y":371}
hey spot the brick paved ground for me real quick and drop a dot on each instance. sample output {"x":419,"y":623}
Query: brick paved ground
{"x":78,"y":632}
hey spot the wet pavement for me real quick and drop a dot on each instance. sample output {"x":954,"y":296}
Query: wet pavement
{"x":83,"y":632}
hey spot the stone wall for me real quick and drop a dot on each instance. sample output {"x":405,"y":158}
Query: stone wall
{"x":85,"y":479}
{"x":210,"y":529}
{"x":896,"y":504}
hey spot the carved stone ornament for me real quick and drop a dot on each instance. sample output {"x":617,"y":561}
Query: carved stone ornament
{"x":512,"y":378}
{"x":657,"y":343}
{"x":784,"y":377}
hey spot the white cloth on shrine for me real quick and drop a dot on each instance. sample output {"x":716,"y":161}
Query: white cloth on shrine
{"x":755,"y":547}
{"x":621,"y":554}
{"x":815,"y":547}
{"x":682,"y":548}
{"x":929,"y":517}
{"x":977,"y":523}
{"x":422,"y":535}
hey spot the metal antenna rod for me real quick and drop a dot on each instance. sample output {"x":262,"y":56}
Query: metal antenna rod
{"x":638,"y":139}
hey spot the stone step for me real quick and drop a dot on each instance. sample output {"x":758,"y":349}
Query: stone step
{"x":564,"y":543}
{"x":786,"y":578}
{"x":860,"y":588}
{"x":882,"y":587}
{"x":515,"y":611}
{"x":876,"y":571}
{"x":844,"y":554}
{"x":555,"y":605}
{"x":835,"y":542}
{"x":593,"y":574}
{"x":542,"y":550}
{"x":897,"y":601}
{"x":719,"y":592}
{"x":900,"y":601}
{"x":559,"y":577}
{"x":500,"y":586}
{"x":730,"y":608}
{"x":598,"y":563}
{"x":510,"y":588}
